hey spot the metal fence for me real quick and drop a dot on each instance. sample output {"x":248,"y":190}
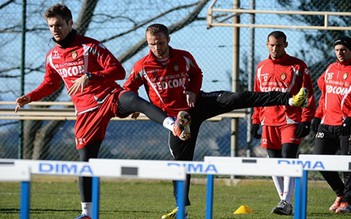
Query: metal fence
{"x":121,"y":26}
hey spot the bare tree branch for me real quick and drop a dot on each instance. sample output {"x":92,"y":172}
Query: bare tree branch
{"x":6,"y":3}
{"x":173,"y":28}
{"x":148,"y":21}
{"x":85,"y":16}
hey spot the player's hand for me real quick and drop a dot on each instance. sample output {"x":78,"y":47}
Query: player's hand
{"x":315,"y":123}
{"x":345,"y":128}
{"x":254,"y":131}
{"x":190,"y":98}
{"x":135,"y":115}
{"x":303,"y":129}
{"x":78,"y":85}
{"x":21,"y":101}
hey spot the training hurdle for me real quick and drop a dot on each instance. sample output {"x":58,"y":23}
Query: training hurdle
{"x":135,"y":169}
{"x":139,"y":169}
{"x":314,"y":162}
{"x":11,"y":173}
{"x":217,"y":168}
{"x":254,"y":167}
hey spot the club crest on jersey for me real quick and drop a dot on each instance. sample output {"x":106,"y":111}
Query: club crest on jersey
{"x":176,"y":67}
{"x":74,"y":54}
{"x":283,"y":76}
{"x":345,"y":76}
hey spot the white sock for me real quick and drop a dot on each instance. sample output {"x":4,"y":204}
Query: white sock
{"x":86,"y":208}
{"x":278,"y":183}
{"x":289,"y":183}
{"x":168,"y":123}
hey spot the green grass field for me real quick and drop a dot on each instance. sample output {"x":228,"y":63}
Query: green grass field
{"x":56,"y":197}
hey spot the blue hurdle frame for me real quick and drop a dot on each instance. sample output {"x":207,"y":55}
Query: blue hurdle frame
{"x":300,"y":213}
{"x":25,"y":200}
{"x":96,"y":198}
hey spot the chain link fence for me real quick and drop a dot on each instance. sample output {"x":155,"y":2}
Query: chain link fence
{"x":121,"y":26}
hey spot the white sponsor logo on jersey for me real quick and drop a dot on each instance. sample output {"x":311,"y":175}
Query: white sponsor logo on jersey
{"x":174,"y":83}
{"x":268,"y":89}
{"x":336,"y":90}
{"x":71,"y":71}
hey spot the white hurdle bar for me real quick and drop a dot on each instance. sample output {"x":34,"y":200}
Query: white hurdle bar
{"x":147,"y":169}
{"x":11,"y":173}
{"x":316,"y":162}
{"x":254,"y":167}
{"x":95,"y":168}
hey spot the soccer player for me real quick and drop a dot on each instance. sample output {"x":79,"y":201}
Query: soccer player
{"x":89,"y":71}
{"x":282,"y":126}
{"x":332,"y":121}
{"x":173,"y":80}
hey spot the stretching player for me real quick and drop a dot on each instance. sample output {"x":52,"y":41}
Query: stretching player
{"x":173,"y":80}
{"x":332,"y":121}
{"x":282,"y":126}
{"x":89,"y":72}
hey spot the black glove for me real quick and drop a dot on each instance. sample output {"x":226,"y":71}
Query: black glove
{"x":315,"y":123}
{"x":303,"y":129}
{"x":254,"y":131}
{"x":345,"y":128}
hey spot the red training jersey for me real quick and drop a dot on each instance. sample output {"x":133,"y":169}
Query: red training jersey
{"x":81,"y":56}
{"x":165,"y":81}
{"x":287,"y":74}
{"x":335,"y":101}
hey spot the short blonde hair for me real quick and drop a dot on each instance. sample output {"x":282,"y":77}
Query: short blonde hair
{"x":157,"y":28}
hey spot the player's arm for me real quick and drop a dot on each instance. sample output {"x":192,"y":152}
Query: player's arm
{"x":346,"y":108}
{"x":190,"y":98}
{"x":309,"y":111}
{"x":49,"y":85}
{"x":135,"y":80}
{"x":21,"y":101}
{"x":320,"y":110}
{"x":78,"y":85}
{"x":110,"y":68}
{"x":321,"y":85}
{"x":195,"y":75}
{"x":133,"y":83}
{"x":255,"y":118}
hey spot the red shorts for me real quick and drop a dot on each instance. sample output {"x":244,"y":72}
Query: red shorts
{"x":91,"y":126}
{"x":273,"y":137}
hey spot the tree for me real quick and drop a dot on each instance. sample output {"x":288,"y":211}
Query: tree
{"x":321,"y":40}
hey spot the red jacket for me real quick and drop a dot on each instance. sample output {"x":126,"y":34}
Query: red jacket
{"x":82,"y":55}
{"x":165,"y":82}
{"x":287,"y":74}
{"x":335,"y":101}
